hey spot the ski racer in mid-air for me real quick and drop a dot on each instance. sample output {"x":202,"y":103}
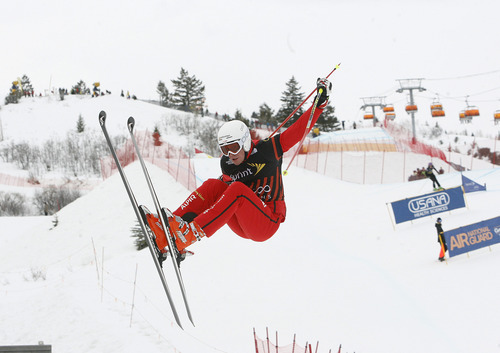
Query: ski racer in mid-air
{"x":249,"y":195}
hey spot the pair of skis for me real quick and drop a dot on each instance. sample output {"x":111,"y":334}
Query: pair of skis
{"x":162,"y":215}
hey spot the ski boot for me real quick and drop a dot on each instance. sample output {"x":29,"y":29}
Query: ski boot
{"x":185,"y":233}
{"x":155,"y":234}
{"x":182,"y":234}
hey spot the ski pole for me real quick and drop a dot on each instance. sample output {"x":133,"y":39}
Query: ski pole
{"x":300,"y":105}
{"x":320,"y":91}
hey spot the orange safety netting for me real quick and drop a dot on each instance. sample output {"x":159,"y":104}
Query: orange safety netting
{"x":170,"y":158}
{"x":405,"y":142}
{"x":266,"y":346}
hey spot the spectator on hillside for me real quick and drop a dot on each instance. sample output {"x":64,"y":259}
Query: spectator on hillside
{"x":96,"y":92}
{"x":412,"y":176}
{"x":315,"y":132}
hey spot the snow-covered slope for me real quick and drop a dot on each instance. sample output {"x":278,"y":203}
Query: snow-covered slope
{"x":336,"y":272}
{"x":40,"y":118}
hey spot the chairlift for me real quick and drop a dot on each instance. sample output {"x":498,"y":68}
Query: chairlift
{"x":436,"y":113}
{"x":437,"y":109}
{"x":464,"y":118}
{"x":411,"y":108}
{"x":368,"y":116}
{"x":496,"y":116}
{"x":471,"y":111}
{"x":390,"y":116}
{"x":388,"y":108}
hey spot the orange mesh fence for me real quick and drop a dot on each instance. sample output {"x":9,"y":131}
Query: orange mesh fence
{"x":353,"y":145}
{"x":170,"y":158}
{"x":311,"y":158}
{"x":266,"y":346}
{"x":372,"y":160}
{"x":405,"y":143}
{"x":14,"y":180}
{"x":313,"y":154}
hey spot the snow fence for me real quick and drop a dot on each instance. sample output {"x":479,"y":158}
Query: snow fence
{"x":164,"y":155}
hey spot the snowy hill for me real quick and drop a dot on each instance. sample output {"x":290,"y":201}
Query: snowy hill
{"x":39,"y":118}
{"x":336,"y":272}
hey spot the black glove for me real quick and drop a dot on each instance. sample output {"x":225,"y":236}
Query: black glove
{"x":326,"y":86}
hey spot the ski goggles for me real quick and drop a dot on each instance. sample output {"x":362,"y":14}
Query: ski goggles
{"x":233,"y":147}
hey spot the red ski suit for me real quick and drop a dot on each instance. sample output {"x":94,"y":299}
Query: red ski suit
{"x":249,"y":197}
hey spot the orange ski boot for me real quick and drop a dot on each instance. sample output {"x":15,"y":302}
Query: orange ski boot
{"x":184,"y":233}
{"x":154,"y":224}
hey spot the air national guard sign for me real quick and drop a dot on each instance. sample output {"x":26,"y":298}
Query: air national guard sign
{"x":473,"y":237}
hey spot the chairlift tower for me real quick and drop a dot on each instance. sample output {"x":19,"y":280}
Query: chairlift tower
{"x":372,"y":102}
{"x":411,"y":84}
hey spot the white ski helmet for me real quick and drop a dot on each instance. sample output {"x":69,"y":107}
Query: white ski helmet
{"x":234,"y":131}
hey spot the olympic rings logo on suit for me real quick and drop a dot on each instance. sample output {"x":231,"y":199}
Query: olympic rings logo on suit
{"x":261,"y":189}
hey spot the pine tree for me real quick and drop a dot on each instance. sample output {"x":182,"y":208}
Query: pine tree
{"x":80,"y":124}
{"x":265,"y":115}
{"x":327,"y":121}
{"x":80,"y":88}
{"x":189,"y":93}
{"x":164,"y":94}
{"x":238,"y":115}
{"x":26,"y":85}
{"x":291,"y":98}
{"x":140,"y":241}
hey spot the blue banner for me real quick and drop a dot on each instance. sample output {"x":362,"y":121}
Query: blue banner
{"x":471,"y":186}
{"x":428,"y":205}
{"x":473,"y":236}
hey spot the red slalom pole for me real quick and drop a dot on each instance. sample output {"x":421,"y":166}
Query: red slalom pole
{"x":301,"y":104}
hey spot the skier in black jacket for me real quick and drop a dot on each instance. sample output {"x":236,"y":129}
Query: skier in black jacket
{"x":429,"y":173}
{"x":441,"y":239}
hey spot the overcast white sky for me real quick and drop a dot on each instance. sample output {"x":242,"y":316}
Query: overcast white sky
{"x":245,"y":51}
